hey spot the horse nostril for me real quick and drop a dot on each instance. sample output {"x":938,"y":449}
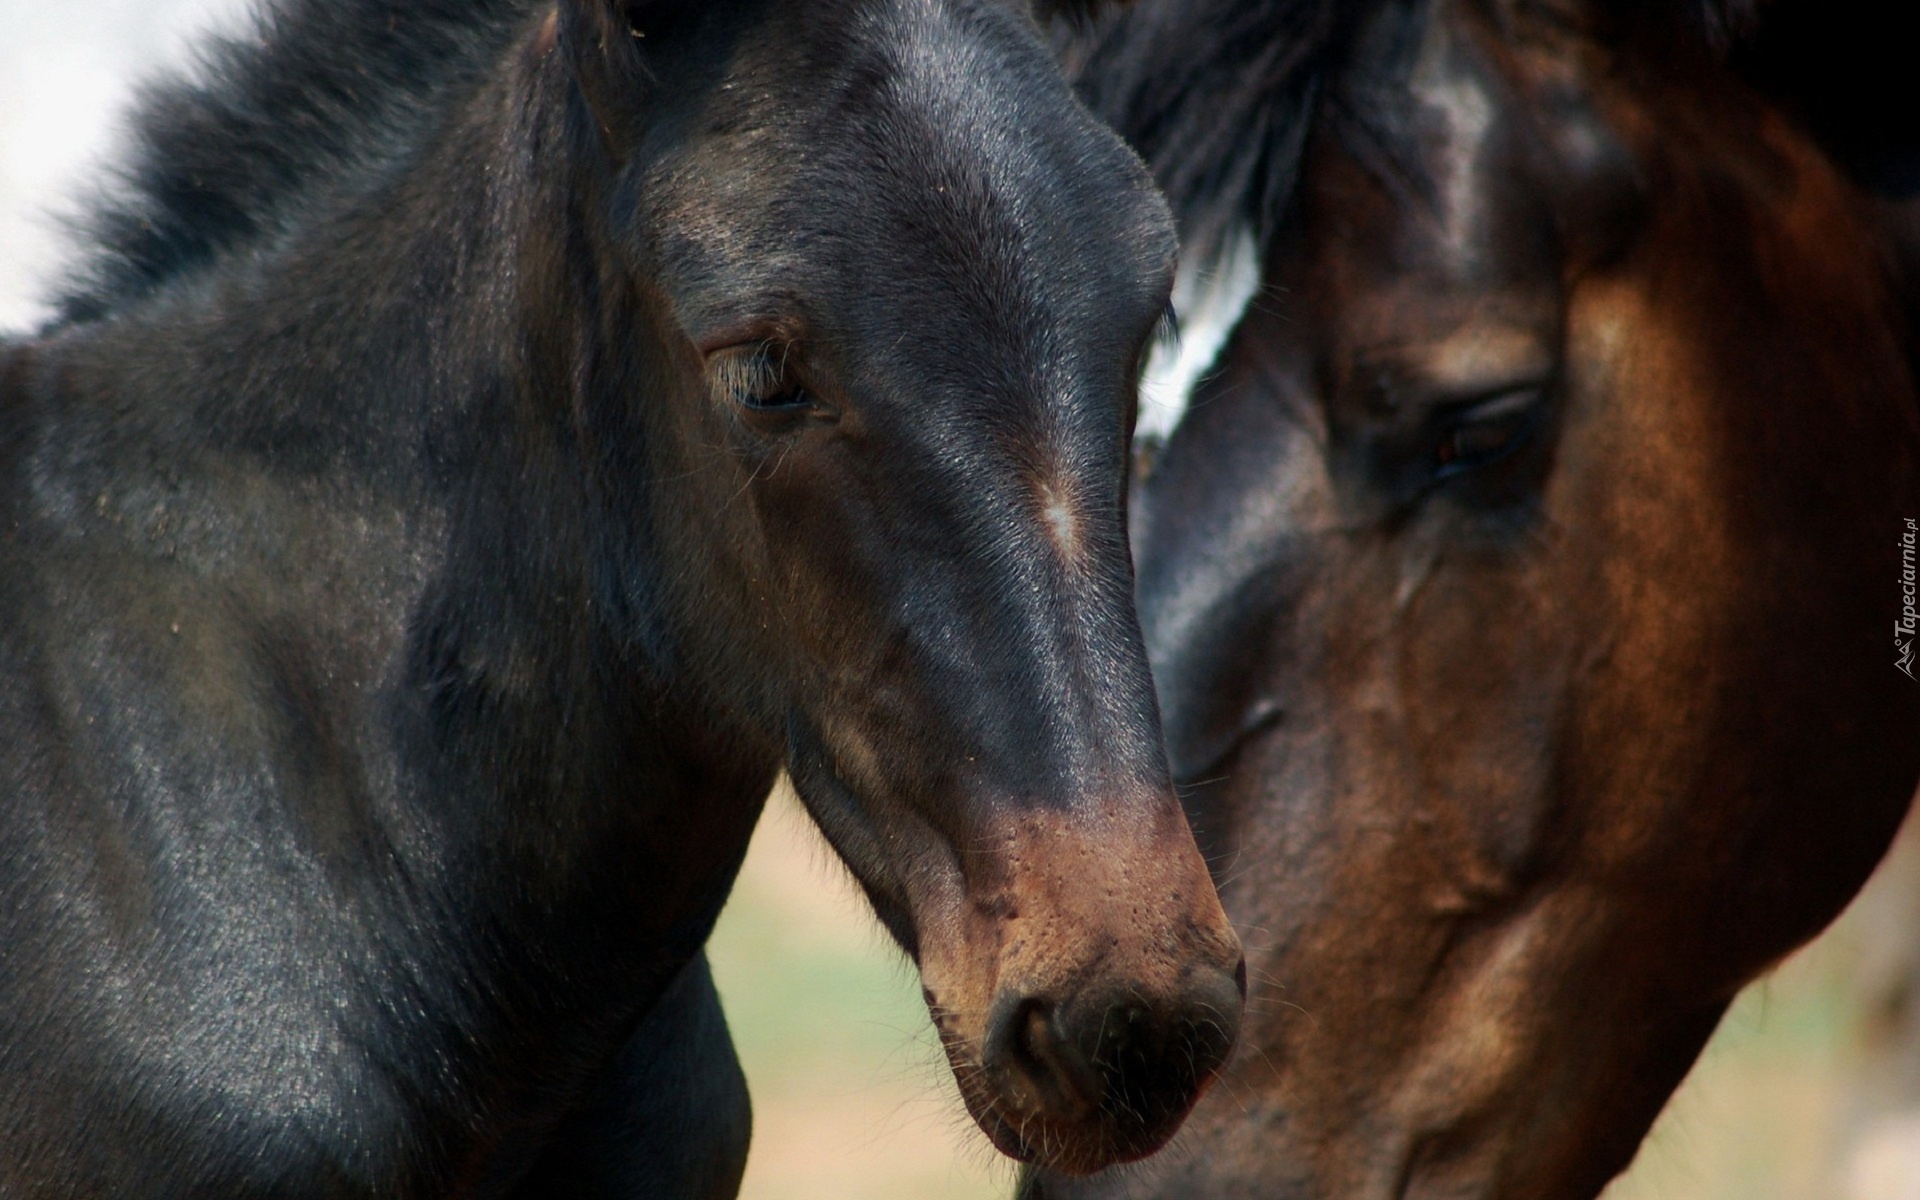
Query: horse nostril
{"x":1048,"y":1068}
{"x":1121,"y":1043}
{"x":1133,"y":1064}
{"x":1240,"y":978}
{"x":1158,"y":1059}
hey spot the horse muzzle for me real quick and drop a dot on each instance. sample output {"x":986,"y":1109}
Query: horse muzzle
{"x":1091,"y":999}
{"x":1103,"y":1079}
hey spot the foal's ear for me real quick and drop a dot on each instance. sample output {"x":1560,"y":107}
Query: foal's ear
{"x":606,"y":42}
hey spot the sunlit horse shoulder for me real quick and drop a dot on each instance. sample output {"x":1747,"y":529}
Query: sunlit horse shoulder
{"x":488,"y":443}
{"x":1519,"y":581}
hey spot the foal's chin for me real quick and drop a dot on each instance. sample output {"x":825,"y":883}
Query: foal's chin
{"x":1066,"y":1146}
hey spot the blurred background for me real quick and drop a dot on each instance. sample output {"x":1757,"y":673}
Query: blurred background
{"x":852,"y":1100}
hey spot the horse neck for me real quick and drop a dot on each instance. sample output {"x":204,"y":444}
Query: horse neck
{"x":388,"y":399}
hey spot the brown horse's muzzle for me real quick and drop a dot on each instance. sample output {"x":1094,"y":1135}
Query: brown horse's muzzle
{"x":1092,"y":989}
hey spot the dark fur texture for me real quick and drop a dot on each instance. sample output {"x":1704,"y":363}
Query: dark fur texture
{"x":282,"y":118}
{"x":1216,"y":95}
{"x":1219,"y":95}
{"x":281,"y":121}
{"x":490,"y":442}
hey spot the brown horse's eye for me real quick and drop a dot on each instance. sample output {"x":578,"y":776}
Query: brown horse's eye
{"x":1486,"y":432}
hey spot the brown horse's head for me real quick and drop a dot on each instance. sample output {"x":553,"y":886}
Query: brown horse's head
{"x":897,"y":282}
{"x":1522,"y":590}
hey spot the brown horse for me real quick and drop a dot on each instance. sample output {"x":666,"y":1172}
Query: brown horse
{"x":1519,"y":584}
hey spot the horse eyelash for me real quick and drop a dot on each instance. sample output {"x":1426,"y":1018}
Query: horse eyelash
{"x":741,"y":377}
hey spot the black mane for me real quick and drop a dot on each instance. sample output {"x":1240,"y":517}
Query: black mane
{"x":1218,"y":96}
{"x":311,"y":93}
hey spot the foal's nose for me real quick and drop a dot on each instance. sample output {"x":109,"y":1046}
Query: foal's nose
{"x":1135,"y":1063}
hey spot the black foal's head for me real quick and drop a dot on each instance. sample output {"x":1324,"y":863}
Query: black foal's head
{"x":877,"y":289}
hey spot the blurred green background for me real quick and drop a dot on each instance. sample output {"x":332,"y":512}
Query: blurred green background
{"x":853,"y":1102}
{"x":852,"y":1099}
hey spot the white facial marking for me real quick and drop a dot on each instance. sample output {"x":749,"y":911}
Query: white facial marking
{"x":1210,"y":296}
{"x":1064,"y":523}
{"x":1468,"y":114}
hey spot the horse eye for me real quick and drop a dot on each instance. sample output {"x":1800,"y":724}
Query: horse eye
{"x":788,"y":395}
{"x":758,"y":379}
{"x":1486,"y":432}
